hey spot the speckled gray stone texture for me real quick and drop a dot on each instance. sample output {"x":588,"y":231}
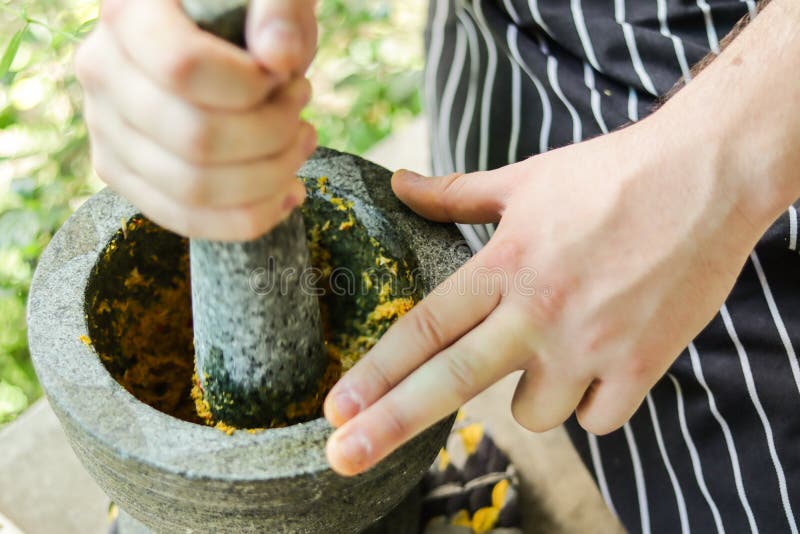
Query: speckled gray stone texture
{"x":258,"y":336}
{"x":439,"y":248}
{"x":257,"y":332}
{"x":172,"y":475}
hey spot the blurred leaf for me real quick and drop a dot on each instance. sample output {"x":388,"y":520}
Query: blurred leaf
{"x":8,"y":117}
{"x":18,"y":228}
{"x":403,"y":86}
{"x":12,"y":401}
{"x":86,"y":27}
{"x":24,"y":186}
{"x":11,"y":51}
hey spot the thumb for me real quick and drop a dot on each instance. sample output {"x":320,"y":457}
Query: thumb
{"x":476,"y":198}
{"x":282,"y":35}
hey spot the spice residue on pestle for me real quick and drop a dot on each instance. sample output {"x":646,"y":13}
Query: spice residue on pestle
{"x":140,"y":312}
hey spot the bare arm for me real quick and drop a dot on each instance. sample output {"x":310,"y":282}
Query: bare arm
{"x":746,"y":105}
{"x":670,"y":208}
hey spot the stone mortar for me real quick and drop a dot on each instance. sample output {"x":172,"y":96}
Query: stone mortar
{"x":174,"y":476}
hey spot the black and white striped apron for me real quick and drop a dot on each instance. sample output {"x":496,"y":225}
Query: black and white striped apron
{"x":716,"y":445}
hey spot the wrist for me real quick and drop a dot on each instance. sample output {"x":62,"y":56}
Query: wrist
{"x":749,"y":160}
{"x":742,"y":114}
{"x":765,"y":181}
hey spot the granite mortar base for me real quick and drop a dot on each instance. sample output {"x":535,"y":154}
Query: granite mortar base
{"x":175,"y":476}
{"x":403,"y":519}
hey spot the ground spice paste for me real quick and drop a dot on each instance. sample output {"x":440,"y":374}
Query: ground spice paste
{"x":138,"y":306}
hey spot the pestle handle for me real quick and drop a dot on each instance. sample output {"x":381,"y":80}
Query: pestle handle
{"x":223,"y":18}
{"x":258,"y":337}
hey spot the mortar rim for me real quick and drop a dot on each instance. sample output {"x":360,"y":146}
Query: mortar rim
{"x":51,"y":344}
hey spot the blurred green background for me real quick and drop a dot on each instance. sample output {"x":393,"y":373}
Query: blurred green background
{"x":366,"y":83}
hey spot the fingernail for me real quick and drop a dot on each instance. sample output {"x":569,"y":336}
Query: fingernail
{"x":409,"y":176}
{"x":346,"y":405}
{"x":353,"y":450}
{"x":280,"y":37}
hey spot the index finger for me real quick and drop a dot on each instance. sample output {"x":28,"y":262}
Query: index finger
{"x":498,"y":346}
{"x":453,"y":308}
{"x":170,"y":49}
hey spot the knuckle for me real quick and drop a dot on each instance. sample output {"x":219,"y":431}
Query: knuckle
{"x":595,"y":425}
{"x":599,"y":336}
{"x":376,"y":375}
{"x":520,"y":413}
{"x":451,"y":190}
{"x":428,"y":326}
{"x":528,"y":410}
{"x":86,"y":64}
{"x":292,"y":133}
{"x":456,"y":191}
{"x":178,"y":68}
{"x":289,"y":158}
{"x":253,"y":227}
{"x":505,"y":253}
{"x":194,"y":188}
{"x":187,"y":225}
{"x":89,"y":119}
{"x":101,"y":166}
{"x":547,"y":310}
{"x":111,"y":9}
{"x":306,"y":87}
{"x":525,"y":415}
{"x":291,"y":147}
{"x":395,"y":427}
{"x":251,"y":222}
{"x":641,"y":369}
{"x":461,"y":368}
{"x":452,"y":183}
{"x":313,"y":43}
{"x":309,"y":140}
{"x":199,"y":139}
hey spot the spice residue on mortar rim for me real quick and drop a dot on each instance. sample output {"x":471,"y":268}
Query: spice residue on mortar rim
{"x":141,"y":326}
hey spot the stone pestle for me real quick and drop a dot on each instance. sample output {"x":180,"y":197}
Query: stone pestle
{"x":257,"y":330}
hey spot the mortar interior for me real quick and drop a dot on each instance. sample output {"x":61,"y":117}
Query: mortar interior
{"x":138,"y":301}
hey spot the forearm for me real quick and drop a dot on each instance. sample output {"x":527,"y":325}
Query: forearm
{"x":743,"y":112}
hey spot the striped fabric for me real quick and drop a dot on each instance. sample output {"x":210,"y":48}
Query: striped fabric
{"x":715,"y":447}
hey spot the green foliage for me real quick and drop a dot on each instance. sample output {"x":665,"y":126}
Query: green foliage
{"x":44,"y":170}
{"x":366,"y":83}
{"x":367,"y":72}
{"x":11,"y":50}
